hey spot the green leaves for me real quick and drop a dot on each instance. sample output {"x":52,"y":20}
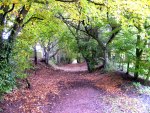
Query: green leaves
{"x":7,"y":79}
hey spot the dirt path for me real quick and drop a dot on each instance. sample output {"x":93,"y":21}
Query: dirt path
{"x":72,"y":67}
{"x":79,"y":100}
{"x":56,"y":91}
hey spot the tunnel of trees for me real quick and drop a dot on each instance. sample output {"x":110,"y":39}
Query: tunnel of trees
{"x":105,"y":34}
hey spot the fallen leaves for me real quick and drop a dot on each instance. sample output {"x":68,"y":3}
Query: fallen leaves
{"x":47,"y":84}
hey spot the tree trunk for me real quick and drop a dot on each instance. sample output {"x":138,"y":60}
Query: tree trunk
{"x":45,"y":55}
{"x":122,"y":62}
{"x":78,"y":58}
{"x":46,"y":58}
{"x":137,"y":65}
{"x":35,"y":56}
{"x":128,"y":66}
{"x":138,"y":58}
{"x":105,"y":55}
{"x":90,"y":70}
{"x":109,"y":55}
{"x":148,"y":76}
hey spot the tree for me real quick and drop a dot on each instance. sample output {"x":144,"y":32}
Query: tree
{"x":90,"y":27}
{"x":14,"y":16}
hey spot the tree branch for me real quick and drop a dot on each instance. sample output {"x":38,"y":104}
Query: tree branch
{"x":30,"y":19}
{"x":67,"y":0}
{"x":55,"y":53}
{"x":91,"y":1}
{"x":13,"y":6}
{"x":147,"y":27}
{"x":41,"y":2}
{"x":96,"y":3}
{"x":116,"y":31}
{"x":53,"y":45}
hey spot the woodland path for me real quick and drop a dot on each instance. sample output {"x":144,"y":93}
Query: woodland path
{"x":75,"y":91}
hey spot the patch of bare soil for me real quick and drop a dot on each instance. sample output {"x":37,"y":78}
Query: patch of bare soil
{"x":57,"y":91}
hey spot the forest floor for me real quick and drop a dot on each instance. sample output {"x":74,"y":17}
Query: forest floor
{"x":76,"y":91}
